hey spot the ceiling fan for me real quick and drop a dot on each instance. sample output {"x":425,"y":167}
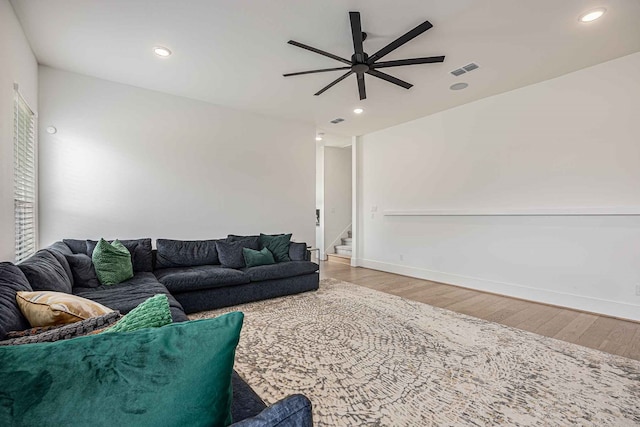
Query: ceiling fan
{"x":361,"y":63}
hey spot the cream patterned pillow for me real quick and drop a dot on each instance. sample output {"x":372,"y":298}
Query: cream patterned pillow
{"x":45,"y":308}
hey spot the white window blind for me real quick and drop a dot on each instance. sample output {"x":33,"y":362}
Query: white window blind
{"x":24,"y":145}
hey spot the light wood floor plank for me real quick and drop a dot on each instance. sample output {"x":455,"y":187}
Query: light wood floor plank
{"x":576,"y":328}
{"x":620,"y":338}
{"x":590,"y":330}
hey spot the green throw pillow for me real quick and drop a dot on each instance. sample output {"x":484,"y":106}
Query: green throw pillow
{"x":278,"y":245}
{"x":152,"y":313}
{"x":178,"y":375}
{"x":253,"y":258}
{"x":112,"y":262}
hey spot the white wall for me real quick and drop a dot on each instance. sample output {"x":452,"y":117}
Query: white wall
{"x":566,"y":144}
{"x":17,"y":65}
{"x":320,"y":200}
{"x":129,"y":162}
{"x":337,"y":195}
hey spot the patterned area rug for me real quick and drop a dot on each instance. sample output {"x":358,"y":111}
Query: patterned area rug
{"x":364,"y":357}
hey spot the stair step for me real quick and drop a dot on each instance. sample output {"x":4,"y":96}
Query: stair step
{"x":341,"y":259}
{"x":347,"y":241}
{"x":343,"y":250}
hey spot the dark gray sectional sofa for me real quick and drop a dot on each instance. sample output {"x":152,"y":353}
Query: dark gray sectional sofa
{"x":190,"y":274}
{"x":193,"y":274}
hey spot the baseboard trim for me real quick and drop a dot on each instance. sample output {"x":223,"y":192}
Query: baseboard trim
{"x":597,"y":306}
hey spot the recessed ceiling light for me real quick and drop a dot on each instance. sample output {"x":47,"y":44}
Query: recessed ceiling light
{"x":458,"y":86}
{"x":358,"y":110}
{"x":318,"y":138}
{"x":592,"y":15}
{"x":161,"y":51}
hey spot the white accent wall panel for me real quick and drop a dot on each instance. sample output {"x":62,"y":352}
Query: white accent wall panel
{"x":129,"y":162}
{"x":567,"y":145}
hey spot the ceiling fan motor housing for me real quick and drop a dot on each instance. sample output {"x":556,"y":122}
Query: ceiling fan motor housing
{"x":359,"y":61}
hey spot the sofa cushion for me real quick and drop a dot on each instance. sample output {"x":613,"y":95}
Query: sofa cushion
{"x":127,"y":295}
{"x":281,"y":270}
{"x":76,"y":246}
{"x":236,"y":237}
{"x":246,"y":402}
{"x":112,"y":262}
{"x":140,"y":250}
{"x":45,"y":273}
{"x":61,"y":247}
{"x":261,"y":257}
{"x":278,"y":244}
{"x":298,"y":251}
{"x":46,"y":308}
{"x":12,"y":281}
{"x":185,"y":253}
{"x":199,"y":277}
{"x":60,"y":251}
{"x":84,"y":274}
{"x":230,"y":253}
{"x":177,"y":375}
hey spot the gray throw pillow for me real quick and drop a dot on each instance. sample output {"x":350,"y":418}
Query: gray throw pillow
{"x":298,"y":251}
{"x":230,"y":253}
{"x":71,"y":330}
{"x":84,"y":273}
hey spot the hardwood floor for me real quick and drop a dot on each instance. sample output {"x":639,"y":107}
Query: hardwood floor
{"x":590,"y":330}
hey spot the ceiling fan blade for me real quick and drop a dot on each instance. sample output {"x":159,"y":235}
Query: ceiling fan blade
{"x":318,"y":51}
{"x":412,"y":61}
{"x":316,"y":71}
{"x":361,"y":88}
{"x":333,"y":83}
{"x":400,"y":41}
{"x":356,"y":32}
{"x":389,"y":78}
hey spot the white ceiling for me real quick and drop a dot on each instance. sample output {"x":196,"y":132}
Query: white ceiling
{"x":233,"y":53}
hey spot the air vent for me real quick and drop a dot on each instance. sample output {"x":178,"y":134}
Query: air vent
{"x":465,"y":69}
{"x":470,"y":67}
{"x":336,"y":121}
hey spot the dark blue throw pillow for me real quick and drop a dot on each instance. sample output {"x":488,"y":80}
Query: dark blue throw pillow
{"x":83,"y":271}
{"x":231,"y":254}
{"x":298,"y":251}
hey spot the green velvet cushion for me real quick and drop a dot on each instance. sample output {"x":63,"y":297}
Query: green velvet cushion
{"x":278,"y":245}
{"x":112,"y":262}
{"x":178,"y":375}
{"x":253,"y":258}
{"x":152,"y":313}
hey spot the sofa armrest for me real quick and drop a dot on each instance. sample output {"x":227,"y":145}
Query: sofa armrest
{"x":292,"y":411}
